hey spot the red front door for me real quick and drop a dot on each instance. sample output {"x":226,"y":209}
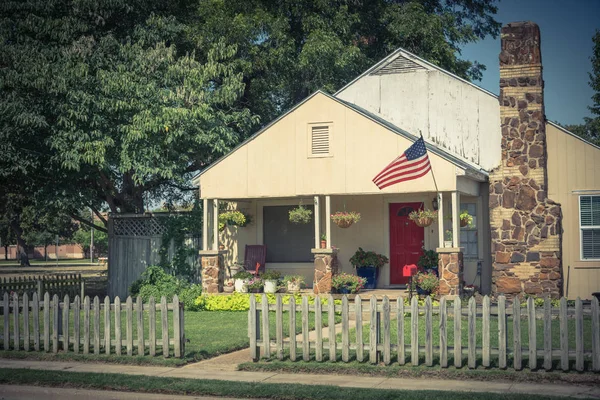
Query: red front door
{"x":406,"y":240}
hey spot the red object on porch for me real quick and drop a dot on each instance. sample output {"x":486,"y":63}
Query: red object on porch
{"x":406,"y":240}
{"x":409,"y":270}
{"x":254,"y":258}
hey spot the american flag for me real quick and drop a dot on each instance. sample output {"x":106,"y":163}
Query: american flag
{"x":412,"y":164}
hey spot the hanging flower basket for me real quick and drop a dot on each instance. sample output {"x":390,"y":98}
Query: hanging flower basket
{"x":465,"y":219}
{"x":423,"y":218}
{"x":300,"y":215}
{"x":345,"y":219}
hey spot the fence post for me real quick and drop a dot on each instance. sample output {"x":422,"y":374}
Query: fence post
{"x":176,"y":326}
{"x":254,"y":331}
{"x":96,"y":325}
{"x":517,"y":334}
{"x":331,"y":328}
{"x":305,"y":330}
{"x":279,"y":326}
{"x":443,"y":334}
{"x":129,"y":323}
{"x":374,"y":334}
{"x":5,"y":306}
{"x":400,"y":329}
{"x":318,"y":329}
{"x":472,"y":343}
{"x":17,"y":337}
{"x":501,"y":331}
{"x":86,"y":325}
{"x":486,"y":332}
{"x":46,"y":322}
{"x":65,"y":322}
{"x":595,"y":335}
{"x":578,"y":335}
{"x":564,"y":335}
{"x":265,"y":325}
{"x":107,"y":325}
{"x":55,"y":323}
{"x":36,"y":322}
{"x":76,"y":324}
{"x":345,"y":330}
{"x":26,"y":321}
{"x":359,"y":328}
{"x":118,"y":336}
{"x":547,"y":334}
{"x":414,"y":329}
{"x":182,"y":329}
{"x":139,"y":312}
{"x":532,"y":334}
{"x":293,"y":345}
{"x":164,"y":314}
{"x":387,"y":340}
{"x":457,"y":332}
{"x":39,"y":288}
{"x":428,"y":332}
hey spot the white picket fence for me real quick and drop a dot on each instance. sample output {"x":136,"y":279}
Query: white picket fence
{"x":381,"y":346}
{"x":47,"y":325}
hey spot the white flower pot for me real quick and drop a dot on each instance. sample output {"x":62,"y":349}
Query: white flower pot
{"x":270,"y":286}
{"x":241,"y":285}
{"x":448,"y":243}
{"x":293,"y":287}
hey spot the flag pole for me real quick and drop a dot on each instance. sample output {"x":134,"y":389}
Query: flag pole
{"x":432,"y":174}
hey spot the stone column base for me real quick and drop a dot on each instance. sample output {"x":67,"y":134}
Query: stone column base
{"x":450,"y":269}
{"x":213,"y":271}
{"x":326,"y":266}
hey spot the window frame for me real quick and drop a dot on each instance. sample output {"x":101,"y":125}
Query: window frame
{"x":310,"y":126}
{"x":581,"y":228}
{"x":310,"y":257}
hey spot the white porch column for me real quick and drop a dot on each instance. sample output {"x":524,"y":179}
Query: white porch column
{"x":455,"y":219}
{"x":317,"y":223}
{"x":440,"y":220}
{"x":204,"y":224}
{"x":328,"y":220}
{"x":216,"y":224}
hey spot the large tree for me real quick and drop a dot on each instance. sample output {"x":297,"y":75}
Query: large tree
{"x":590,"y":129}
{"x":109,"y":103}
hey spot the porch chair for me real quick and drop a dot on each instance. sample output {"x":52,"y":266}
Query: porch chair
{"x":255,"y":256}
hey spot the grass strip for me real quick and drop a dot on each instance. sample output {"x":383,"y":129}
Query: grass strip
{"x":286,"y":391}
{"x":397,"y":371}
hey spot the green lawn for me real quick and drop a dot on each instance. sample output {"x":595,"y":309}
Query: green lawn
{"x":198,"y":387}
{"x":15,"y":263}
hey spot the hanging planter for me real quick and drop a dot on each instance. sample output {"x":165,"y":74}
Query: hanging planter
{"x":300,"y":215}
{"x":233,"y":218}
{"x":345,"y":219}
{"x":423,"y":218}
{"x":465,"y":219}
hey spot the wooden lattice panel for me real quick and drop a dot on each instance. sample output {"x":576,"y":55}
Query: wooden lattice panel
{"x":150,"y":226}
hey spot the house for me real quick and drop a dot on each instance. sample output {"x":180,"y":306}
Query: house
{"x":532,"y":187}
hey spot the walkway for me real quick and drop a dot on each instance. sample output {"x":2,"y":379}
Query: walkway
{"x":545,"y":389}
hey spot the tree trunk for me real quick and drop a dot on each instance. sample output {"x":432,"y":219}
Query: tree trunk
{"x":6,"y":252}
{"x":21,"y":244}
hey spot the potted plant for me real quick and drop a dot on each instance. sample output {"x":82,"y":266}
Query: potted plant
{"x":323,"y":241}
{"x":271,"y":280}
{"x":466,"y":219}
{"x":423,"y":218}
{"x":429,"y":261}
{"x":344,"y":219}
{"x":294,"y":283}
{"x":427,"y":283}
{"x":300,"y":215}
{"x":255,"y":285}
{"x":228,"y":285}
{"x":241,"y":279}
{"x":233,"y":218}
{"x":367,"y":264}
{"x":448,"y":238}
{"x":468,"y":291}
{"x":346,"y":283}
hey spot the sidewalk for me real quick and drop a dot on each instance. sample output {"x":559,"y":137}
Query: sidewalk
{"x":193,"y":372}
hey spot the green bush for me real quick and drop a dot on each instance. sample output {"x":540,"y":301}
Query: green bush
{"x":241,"y":301}
{"x":155,"y":282}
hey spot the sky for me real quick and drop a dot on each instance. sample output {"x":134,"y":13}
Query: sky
{"x":567,"y":28}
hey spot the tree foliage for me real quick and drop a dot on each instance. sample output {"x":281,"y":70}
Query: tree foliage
{"x":590,"y":129}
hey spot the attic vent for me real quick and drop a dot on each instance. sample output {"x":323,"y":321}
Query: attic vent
{"x":319,"y":140}
{"x":397,"y":66}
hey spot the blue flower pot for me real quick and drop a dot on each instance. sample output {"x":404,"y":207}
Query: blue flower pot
{"x":344,"y":290}
{"x":370,"y":274}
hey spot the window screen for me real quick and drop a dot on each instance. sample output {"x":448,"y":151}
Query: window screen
{"x":468,"y":234}
{"x":287,"y":242}
{"x":589,"y":219}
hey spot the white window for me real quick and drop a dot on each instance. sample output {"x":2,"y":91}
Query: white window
{"x":319,"y":139}
{"x":589,"y":223}
{"x":468,"y":234}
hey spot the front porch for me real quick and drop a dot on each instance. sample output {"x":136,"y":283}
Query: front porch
{"x":292,"y":250}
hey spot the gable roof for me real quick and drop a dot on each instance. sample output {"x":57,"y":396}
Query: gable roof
{"x":472,"y":169}
{"x":409,"y":62}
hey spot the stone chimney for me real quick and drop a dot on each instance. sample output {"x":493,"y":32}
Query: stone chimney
{"x":525,"y":224}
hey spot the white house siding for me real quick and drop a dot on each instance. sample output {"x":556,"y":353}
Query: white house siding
{"x":456,"y":116}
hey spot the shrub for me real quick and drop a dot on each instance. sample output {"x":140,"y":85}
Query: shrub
{"x":352,"y":282}
{"x":300,"y":215}
{"x":189,"y":295}
{"x":429,"y":259}
{"x":242,"y":275}
{"x":271,"y":275}
{"x":368,"y":258}
{"x":427,"y":281}
{"x":241,"y":301}
{"x":155,"y":282}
